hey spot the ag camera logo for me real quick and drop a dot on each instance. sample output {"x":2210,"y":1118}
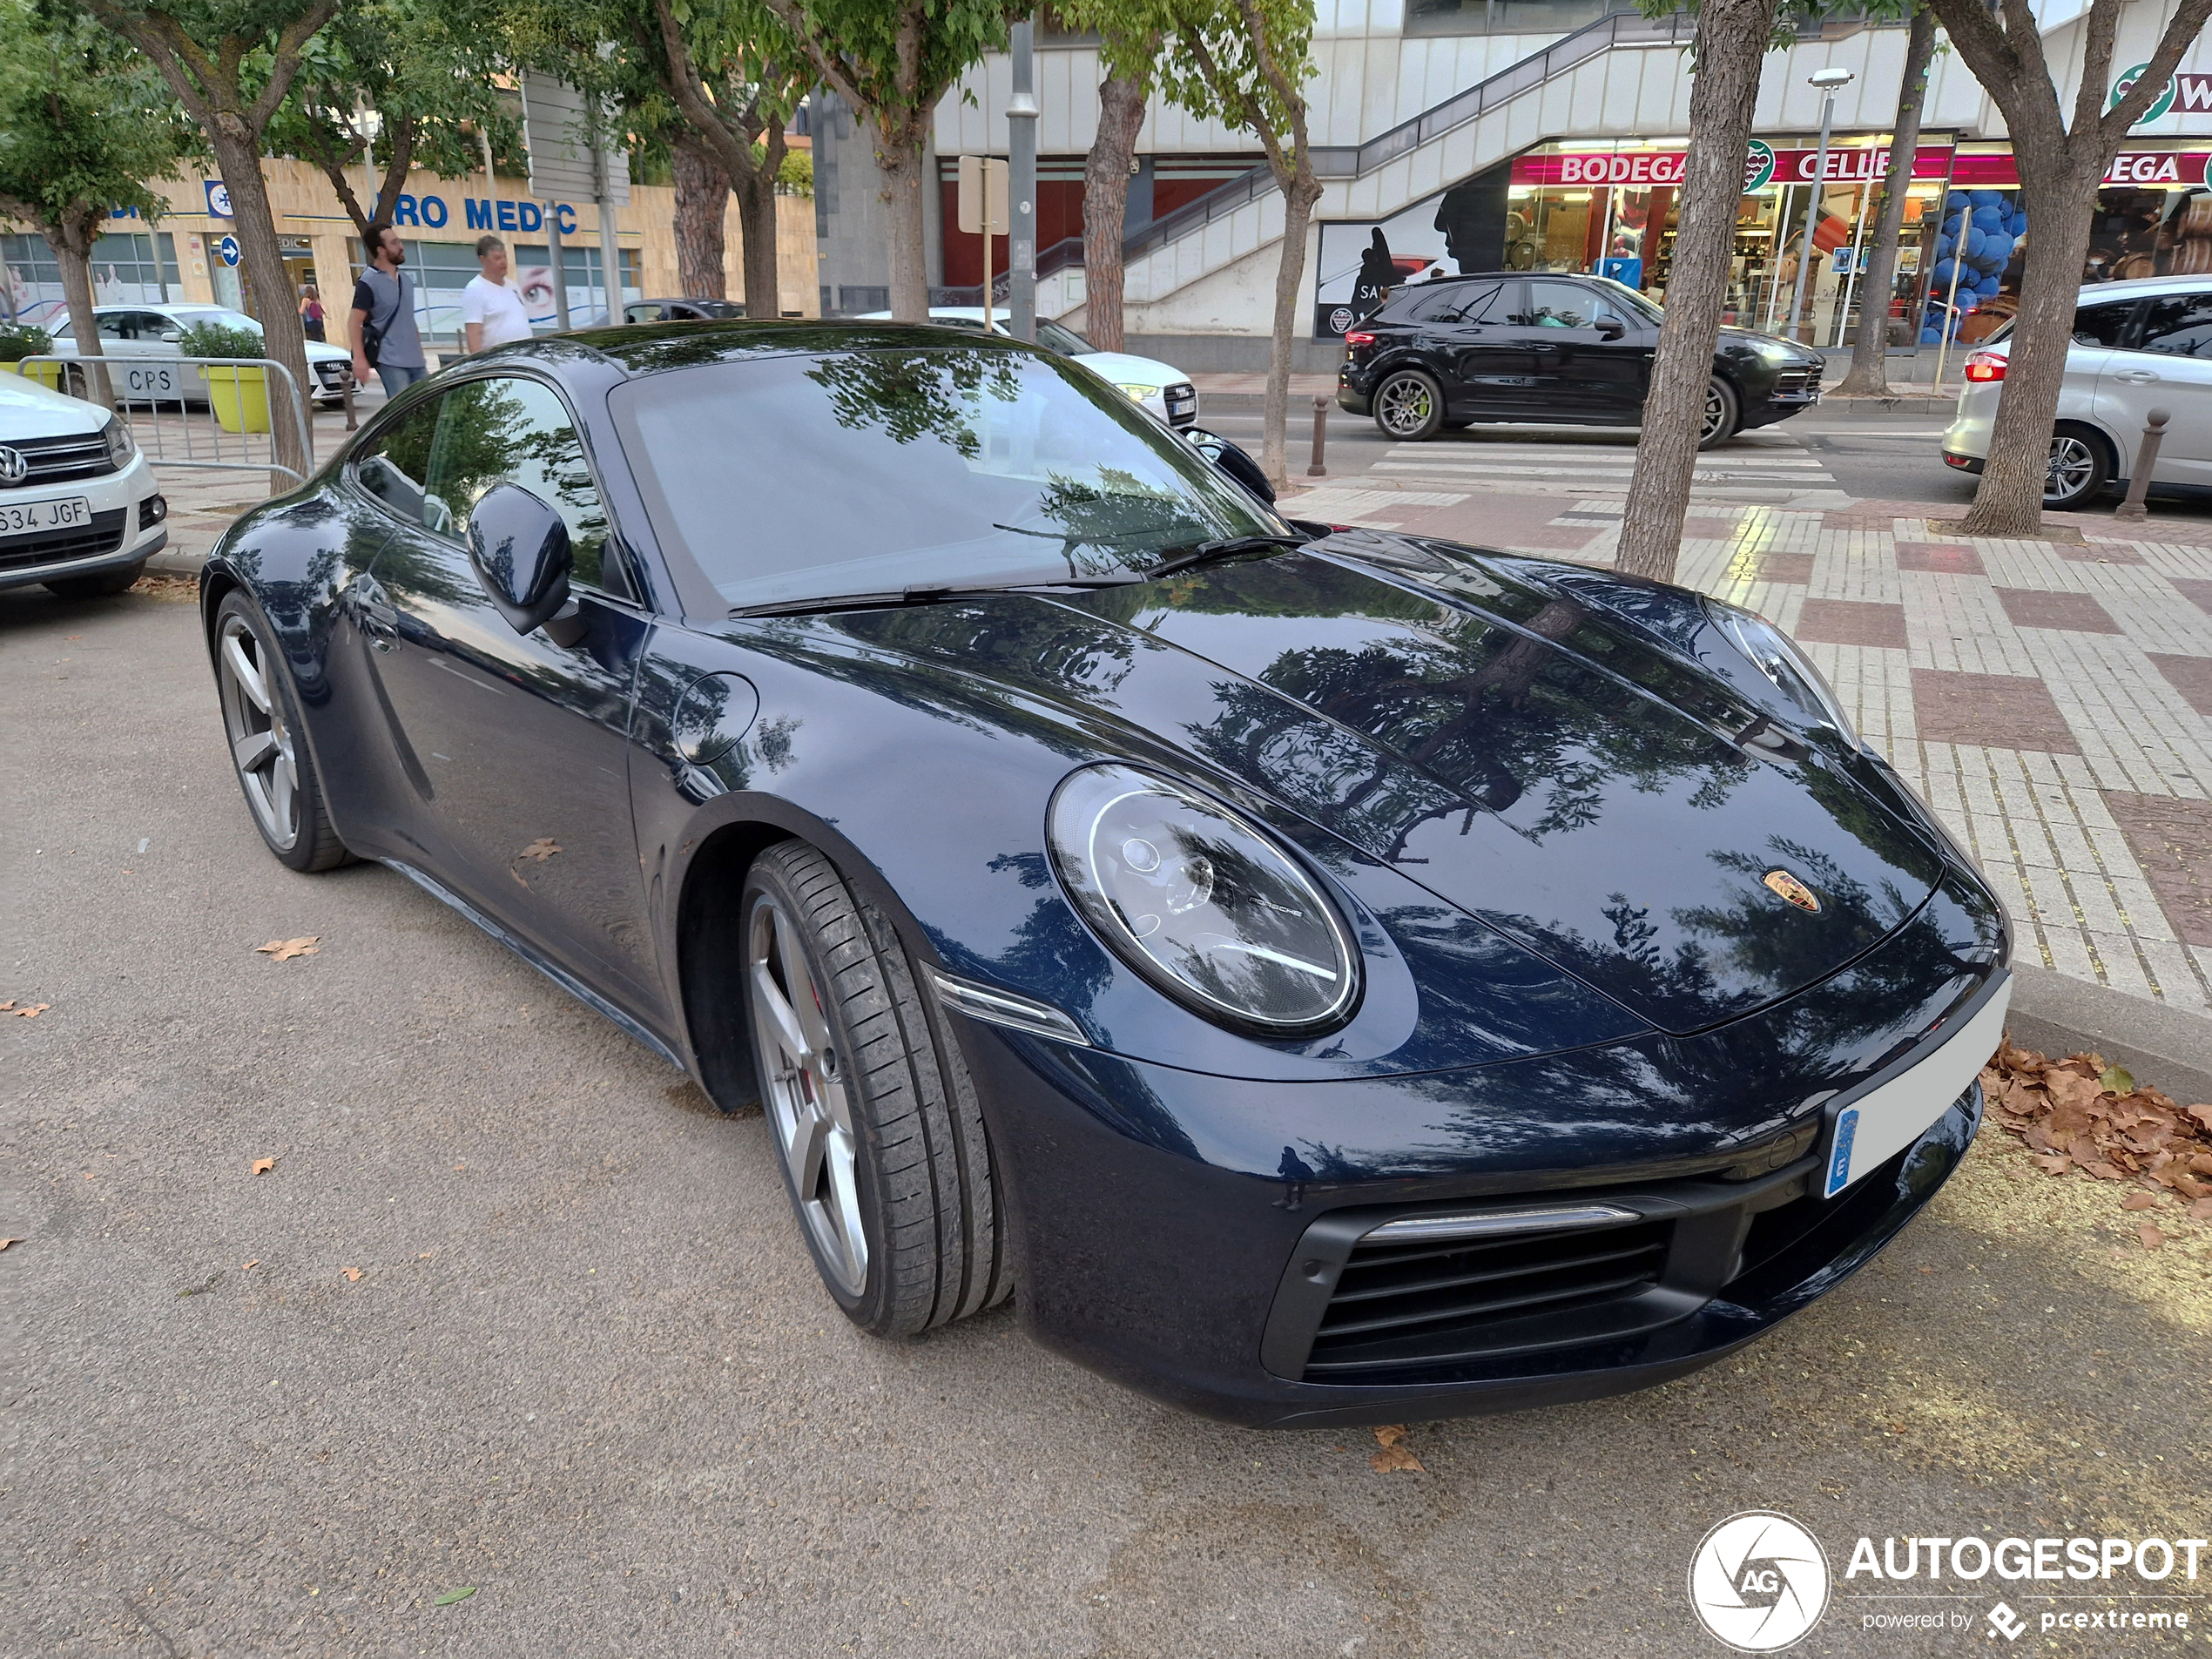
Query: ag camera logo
{"x":1759,"y":1581}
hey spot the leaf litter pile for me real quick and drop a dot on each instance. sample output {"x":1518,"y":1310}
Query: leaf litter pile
{"x":2079,"y":1115}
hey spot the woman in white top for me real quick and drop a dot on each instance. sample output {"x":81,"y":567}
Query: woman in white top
{"x":491,"y":311}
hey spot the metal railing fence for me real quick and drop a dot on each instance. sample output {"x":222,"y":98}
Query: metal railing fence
{"x":170,"y":407}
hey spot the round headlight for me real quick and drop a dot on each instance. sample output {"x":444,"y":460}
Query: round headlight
{"x":1204,"y":904}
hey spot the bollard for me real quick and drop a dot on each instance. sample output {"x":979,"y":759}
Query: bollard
{"x":346,"y":395}
{"x":2147,"y":458}
{"x":1319,"y":468}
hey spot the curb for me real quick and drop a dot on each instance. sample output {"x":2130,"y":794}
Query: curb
{"x":2166,"y":1047}
{"x":171,"y":564}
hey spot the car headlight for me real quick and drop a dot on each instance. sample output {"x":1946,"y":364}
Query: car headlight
{"x":120,"y":447}
{"x":1201,"y":903}
{"x":1776,"y":655}
{"x":1779,"y":353}
{"x":1139,"y":393}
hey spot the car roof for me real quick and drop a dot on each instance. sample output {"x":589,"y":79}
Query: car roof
{"x":652,"y":347}
{"x":2136,"y":287}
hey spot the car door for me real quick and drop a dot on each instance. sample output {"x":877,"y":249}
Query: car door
{"x":1620,"y":363}
{"x":520,"y":744}
{"x":2168,"y":366}
{"x":1460,"y":331}
{"x":1554,"y":329}
{"x":132,"y":337}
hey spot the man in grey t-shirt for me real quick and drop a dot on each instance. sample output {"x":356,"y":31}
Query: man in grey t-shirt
{"x":384,"y":301}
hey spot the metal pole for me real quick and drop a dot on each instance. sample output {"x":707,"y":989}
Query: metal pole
{"x":1858,"y":255}
{"x":2146,"y":458}
{"x":1951,"y":302}
{"x":560,"y":265}
{"x":610,"y":259}
{"x":1021,"y":142}
{"x":1319,"y":467}
{"x":1812,"y":214}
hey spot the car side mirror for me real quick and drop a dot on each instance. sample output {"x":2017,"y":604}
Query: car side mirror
{"x":172,"y":336}
{"x":1611,"y":329}
{"x":519,"y":548}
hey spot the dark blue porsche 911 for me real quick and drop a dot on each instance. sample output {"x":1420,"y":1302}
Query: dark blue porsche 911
{"x":1331,"y":977}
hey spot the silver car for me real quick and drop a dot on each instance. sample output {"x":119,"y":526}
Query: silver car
{"x":134,"y":333}
{"x":2137,"y":346}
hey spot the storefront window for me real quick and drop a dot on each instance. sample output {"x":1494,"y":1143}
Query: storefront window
{"x":128,"y":268}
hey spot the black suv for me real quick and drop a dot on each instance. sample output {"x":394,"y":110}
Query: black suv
{"x":1549,"y":351}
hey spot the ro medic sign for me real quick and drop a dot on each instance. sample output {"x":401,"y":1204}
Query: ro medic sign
{"x":1665,"y":166}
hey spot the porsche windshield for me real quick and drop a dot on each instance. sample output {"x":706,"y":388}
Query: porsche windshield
{"x":809,"y":476}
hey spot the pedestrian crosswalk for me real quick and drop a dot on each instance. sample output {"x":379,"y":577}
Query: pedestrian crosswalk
{"x":1764,"y":466}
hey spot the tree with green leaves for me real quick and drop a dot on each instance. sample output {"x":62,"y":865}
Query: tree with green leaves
{"x":425,"y":68}
{"x":1130,"y":33}
{"x":1731,"y":43}
{"x":1245,"y":62}
{"x":2062,"y":164}
{"x":893,"y":61}
{"x":84,"y":129}
{"x":231,"y":64}
{"x":1869,"y":374}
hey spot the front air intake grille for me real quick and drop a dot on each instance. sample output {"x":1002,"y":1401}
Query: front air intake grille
{"x":53,"y":461}
{"x":1407,"y":1305}
{"x":1795,"y":382}
{"x":1181,"y":401}
{"x":103,"y":535}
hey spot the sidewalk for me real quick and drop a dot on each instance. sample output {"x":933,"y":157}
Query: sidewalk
{"x":2052,"y":701}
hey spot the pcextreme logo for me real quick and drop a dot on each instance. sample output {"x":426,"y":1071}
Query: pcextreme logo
{"x":1759,"y":1581}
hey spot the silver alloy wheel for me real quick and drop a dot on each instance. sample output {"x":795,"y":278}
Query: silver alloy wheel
{"x":2073,"y":463}
{"x":260,"y":741}
{"x":807,"y":1104}
{"x":1406,"y":403}
{"x":1715,"y":412}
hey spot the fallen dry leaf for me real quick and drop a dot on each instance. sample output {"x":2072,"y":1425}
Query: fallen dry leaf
{"x":2201,"y":1210}
{"x":1390,"y":1433}
{"x":1395,"y":1458}
{"x":517,"y":874}
{"x":262,"y":1166}
{"x":283,"y":950}
{"x":352,"y":1275}
{"x":249,"y":1266}
{"x":542,"y":849}
{"x":4,"y":1242}
{"x":425,"y":1255}
{"x":2151,"y":1237}
{"x":31,"y":1012}
{"x":2139,"y":1201}
{"x":2080,"y":1116}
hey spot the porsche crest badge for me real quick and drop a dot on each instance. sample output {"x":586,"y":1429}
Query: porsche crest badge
{"x":1788,"y":886}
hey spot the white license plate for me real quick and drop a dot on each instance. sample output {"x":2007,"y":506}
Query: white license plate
{"x":29,"y":517}
{"x":1878,"y":1125}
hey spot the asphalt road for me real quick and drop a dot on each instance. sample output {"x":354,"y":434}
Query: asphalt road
{"x":584,"y":1368}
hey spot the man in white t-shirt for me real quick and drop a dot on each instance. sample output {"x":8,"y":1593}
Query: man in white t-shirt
{"x":491,"y":311}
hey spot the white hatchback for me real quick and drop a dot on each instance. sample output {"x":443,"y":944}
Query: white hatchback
{"x":135,"y":334}
{"x":1160,"y":387}
{"x":79,"y":509}
{"x":2137,"y":346}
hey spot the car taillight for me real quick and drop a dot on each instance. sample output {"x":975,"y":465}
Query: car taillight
{"x":1359,"y":337}
{"x":1985,"y":365}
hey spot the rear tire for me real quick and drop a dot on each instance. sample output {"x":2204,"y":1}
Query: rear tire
{"x":269,"y":752}
{"x":105,"y":585}
{"x":2080,"y":469}
{"x":1409,"y":406}
{"x":883,"y":1148}
{"x":1723,"y":414}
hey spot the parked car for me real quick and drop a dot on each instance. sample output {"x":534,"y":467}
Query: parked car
{"x":1549,"y":350}
{"x":1159,"y":387}
{"x":669,"y":311}
{"x":79,"y":510}
{"x":1336,"y":977}
{"x":133,"y":333}
{"x":2137,"y":346}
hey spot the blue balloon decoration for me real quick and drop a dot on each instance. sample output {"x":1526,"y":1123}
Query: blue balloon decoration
{"x":1952,"y":225}
{"x":1931,"y":336}
{"x":1997,"y":246}
{"x":1956,"y":199}
{"x":1986,"y":198}
{"x":1990,"y":219}
{"x":1942,"y":273}
{"x":1975,"y":240}
{"x":1987,"y":286}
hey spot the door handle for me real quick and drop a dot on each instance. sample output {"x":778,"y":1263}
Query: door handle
{"x":2136,"y":376}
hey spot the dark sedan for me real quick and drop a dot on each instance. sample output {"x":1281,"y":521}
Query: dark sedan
{"x":1326,"y":976}
{"x":1549,"y":351}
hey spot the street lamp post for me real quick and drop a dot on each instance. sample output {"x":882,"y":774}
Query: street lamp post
{"x":1022,"y":151}
{"x":1828,"y":80}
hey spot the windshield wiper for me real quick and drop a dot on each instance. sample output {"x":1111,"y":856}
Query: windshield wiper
{"x":1228,"y":547}
{"x":920,"y":593}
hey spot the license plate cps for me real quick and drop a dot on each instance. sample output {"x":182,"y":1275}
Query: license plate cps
{"x":31,"y":517}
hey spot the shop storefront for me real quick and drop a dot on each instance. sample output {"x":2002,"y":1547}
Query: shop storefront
{"x":1612,"y":209}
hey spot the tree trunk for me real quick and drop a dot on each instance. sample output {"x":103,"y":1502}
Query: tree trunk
{"x":282,"y":337}
{"x":1731,"y":41}
{"x":1298,"y":214}
{"x":1869,"y":374}
{"x":702,"y":201}
{"x":1121,"y":115}
{"x":2010,"y":499}
{"x":72,"y":245}
{"x":757,"y":222}
{"x":898,"y":159}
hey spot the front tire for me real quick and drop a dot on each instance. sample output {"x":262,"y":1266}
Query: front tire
{"x":1723,"y":414}
{"x":105,"y":585}
{"x":1409,"y":406}
{"x":269,"y":752}
{"x":2080,"y":469}
{"x":884,"y":1153}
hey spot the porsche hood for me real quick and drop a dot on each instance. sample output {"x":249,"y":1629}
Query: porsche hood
{"x":1520,"y":751}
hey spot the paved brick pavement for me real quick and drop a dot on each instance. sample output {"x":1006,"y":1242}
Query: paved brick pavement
{"x":2051,"y":700}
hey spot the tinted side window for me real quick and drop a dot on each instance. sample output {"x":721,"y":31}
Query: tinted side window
{"x":2179,"y":325}
{"x":1432,"y":302}
{"x":394,"y":466}
{"x":507,"y":430}
{"x":2102,"y":325}
{"x":1557,"y":305}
